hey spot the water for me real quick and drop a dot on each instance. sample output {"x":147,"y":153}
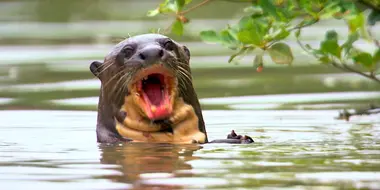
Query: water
{"x":48,"y":102}
{"x":295,"y":150}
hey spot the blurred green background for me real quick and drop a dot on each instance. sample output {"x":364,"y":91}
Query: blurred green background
{"x":46,"y":47}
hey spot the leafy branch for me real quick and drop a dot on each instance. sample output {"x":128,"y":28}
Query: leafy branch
{"x":268,"y":23}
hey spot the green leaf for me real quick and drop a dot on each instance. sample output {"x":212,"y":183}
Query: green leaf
{"x":297,"y":33}
{"x":245,"y":22}
{"x":154,"y":12}
{"x":209,"y":36}
{"x":270,"y":9}
{"x":250,"y":37}
{"x":280,"y":34}
{"x":234,"y":30}
{"x":331,"y":47}
{"x":315,"y":52}
{"x":252,"y":30}
{"x":258,"y":60}
{"x":330,"y":44}
{"x":353,"y":37}
{"x":324,"y":59}
{"x":180,"y":4}
{"x":177,"y":28}
{"x":330,"y":10}
{"x":254,"y":10}
{"x":331,"y":35}
{"x":260,"y":24}
{"x":172,"y":5}
{"x":227,"y":39}
{"x":307,"y":46}
{"x":356,"y":22}
{"x":281,"y":53}
{"x":376,"y":56}
{"x":308,"y":7}
{"x":165,"y":7}
{"x":241,"y":51}
{"x":364,"y":59}
{"x":353,"y":52}
{"x":349,"y":7}
{"x":373,"y":17}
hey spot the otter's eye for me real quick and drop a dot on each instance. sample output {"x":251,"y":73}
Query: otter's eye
{"x":169,"y":45}
{"x":128,"y":51}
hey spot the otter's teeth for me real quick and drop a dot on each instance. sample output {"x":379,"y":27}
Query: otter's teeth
{"x":146,"y":78}
{"x":137,"y":94}
{"x":153,"y":108}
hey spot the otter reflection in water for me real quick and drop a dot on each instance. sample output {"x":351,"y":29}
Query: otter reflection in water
{"x":138,"y":161}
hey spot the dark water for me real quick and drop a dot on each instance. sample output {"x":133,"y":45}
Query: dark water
{"x":48,"y":100}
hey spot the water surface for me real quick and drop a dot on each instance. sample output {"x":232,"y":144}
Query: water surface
{"x":296,"y":150}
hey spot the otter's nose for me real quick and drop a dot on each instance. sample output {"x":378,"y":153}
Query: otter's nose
{"x":151,"y":53}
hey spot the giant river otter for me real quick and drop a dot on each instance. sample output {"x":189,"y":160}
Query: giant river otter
{"x":147,"y":94}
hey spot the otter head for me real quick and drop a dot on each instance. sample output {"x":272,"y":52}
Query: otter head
{"x":151,"y":68}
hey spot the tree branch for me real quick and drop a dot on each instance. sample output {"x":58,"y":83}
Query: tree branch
{"x":345,"y":67}
{"x":195,"y":7}
{"x":368,"y":111}
{"x":371,"y":3}
{"x":299,"y":26}
{"x":376,"y":42}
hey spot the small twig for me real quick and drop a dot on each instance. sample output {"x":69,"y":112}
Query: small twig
{"x":376,"y":42}
{"x":371,"y":110}
{"x":371,"y":4}
{"x":370,"y":76}
{"x":194,"y":7}
{"x":345,"y":67}
{"x":304,"y":48}
{"x":299,"y":26}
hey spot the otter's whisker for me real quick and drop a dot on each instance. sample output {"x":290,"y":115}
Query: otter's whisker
{"x":105,"y":68}
{"x":185,"y":73}
{"x":118,"y":91}
{"x":112,"y":78}
{"x":124,"y":80}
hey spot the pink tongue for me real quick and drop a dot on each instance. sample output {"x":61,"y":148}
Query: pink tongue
{"x":153,"y":91}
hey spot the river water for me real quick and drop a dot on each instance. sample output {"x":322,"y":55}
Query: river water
{"x":48,"y":102}
{"x":293,"y":150}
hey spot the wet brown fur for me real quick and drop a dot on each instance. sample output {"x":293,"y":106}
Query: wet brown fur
{"x":115,"y":74}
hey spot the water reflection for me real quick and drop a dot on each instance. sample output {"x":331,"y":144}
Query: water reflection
{"x":142,"y":161}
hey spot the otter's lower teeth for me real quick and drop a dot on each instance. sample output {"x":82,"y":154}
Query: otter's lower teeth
{"x":153,"y":108}
{"x":137,"y":94}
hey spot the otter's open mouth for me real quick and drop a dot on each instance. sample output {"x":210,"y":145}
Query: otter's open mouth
{"x":155,"y":88}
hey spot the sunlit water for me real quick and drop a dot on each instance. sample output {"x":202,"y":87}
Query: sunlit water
{"x":293,"y":149}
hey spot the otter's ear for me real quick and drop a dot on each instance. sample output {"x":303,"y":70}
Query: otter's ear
{"x":95,"y":68}
{"x":187,"y":52}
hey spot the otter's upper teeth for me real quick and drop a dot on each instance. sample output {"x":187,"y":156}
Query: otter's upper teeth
{"x":146,"y":78}
{"x":137,"y":94}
